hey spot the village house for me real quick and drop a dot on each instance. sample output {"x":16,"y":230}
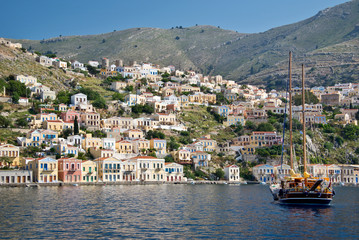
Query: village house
{"x":89,"y":171}
{"x":118,"y":85}
{"x":101,"y":153}
{"x":165,"y":119}
{"x":69,"y":169}
{"x":234,"y":120}
{"x":37,"y":137}
{"x":90,"y":141}
{"x":159,"y":145}
{"x":15,"y":176}
{"x":109,"y":169}
{"x":209,"y":145}
{"x":133,"y":134}
{"x":182,"y":156}
{"x":44,"y":170}
{"x":150,"y":168}
{"x":10,"y":151}
{"x":265,"y":139}
{"x":91,"y":120}
{"x":140,"y":145}
{"x":331,"y":99}
{"x":54,"y":125}
{"x":264,"y":173}
{"x":27,"y":80}
{"x":70,"y":116}
{"x":174,"y":172}
{"x":124,"y":147}
{"x":78,"y":98}
{"x":231,"y":173}
{"x":66,"y":150}
{"x":200,"y":159}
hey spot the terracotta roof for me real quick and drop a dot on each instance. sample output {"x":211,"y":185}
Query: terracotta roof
{"x":144,"y":157}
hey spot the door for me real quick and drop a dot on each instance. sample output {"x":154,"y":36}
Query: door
{"x":50,"y":178}
{"x":45,"y":178}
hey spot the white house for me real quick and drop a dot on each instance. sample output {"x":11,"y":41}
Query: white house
{"x":174,"y":172}
{"x":78,"y":98}
{"x":231,"y":173}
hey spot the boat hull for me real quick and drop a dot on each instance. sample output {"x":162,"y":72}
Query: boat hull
{"x":306,"y":198}
{"x":306,"y":201}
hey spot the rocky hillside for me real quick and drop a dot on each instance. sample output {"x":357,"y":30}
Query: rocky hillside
{"x":326,"y":42}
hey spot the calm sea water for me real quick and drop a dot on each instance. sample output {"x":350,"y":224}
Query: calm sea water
{"x":171,"y":212}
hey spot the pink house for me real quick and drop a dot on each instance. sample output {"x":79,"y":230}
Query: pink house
{"x":70,"y":116}
{"x":69,"y":169}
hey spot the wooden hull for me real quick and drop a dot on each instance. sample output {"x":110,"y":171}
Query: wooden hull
{"x":306,"y":198}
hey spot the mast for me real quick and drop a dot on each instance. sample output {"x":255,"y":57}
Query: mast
{"x":303,"y":115}
{"x":290,"y":111}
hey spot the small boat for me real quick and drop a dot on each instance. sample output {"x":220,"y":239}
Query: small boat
{"x":75,"y":185}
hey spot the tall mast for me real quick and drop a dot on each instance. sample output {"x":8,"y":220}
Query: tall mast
{"x":290,"y":111}
{"x":303,"y":115}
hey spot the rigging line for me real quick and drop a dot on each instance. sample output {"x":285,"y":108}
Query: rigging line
{"x":284,"y":118}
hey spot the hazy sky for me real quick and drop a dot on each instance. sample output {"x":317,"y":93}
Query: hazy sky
{"x":38,"y":19}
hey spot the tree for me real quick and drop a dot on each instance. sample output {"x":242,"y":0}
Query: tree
{"x":310,"y":98}
{"x":6,"y":160}
{"x":22,"y":122}
{"x":169,"y":158}
{"x":67,"y":132}
{"x":15,"y":98}
{"x":265,"y":127}
{"x":100,"y":103}
{"x":219,"y":173}
{"x":4,"y":122}
{"x":76,"y":126}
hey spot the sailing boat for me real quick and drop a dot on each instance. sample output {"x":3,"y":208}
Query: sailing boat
{"x":298,"y":189}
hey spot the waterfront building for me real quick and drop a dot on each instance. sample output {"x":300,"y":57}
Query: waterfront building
{"x":44,"y":169}
{"x":109,"y":169}
{"x":69,"y":169}
{"x":15,"y":176}
{"x":150,"y":168}
{"x":264,"y":173}
{"x":231,"y":173}
{"x":89,"y":171}
{"x":174,"y":172}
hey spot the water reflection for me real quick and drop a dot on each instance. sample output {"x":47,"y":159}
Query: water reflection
{"x":169,"y":212}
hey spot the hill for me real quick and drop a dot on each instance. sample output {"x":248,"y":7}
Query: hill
{"x":249,"y":58}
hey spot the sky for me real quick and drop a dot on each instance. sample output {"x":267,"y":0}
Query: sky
{"x":42,"y":19}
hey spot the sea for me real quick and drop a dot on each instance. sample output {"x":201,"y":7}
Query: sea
{"x":171,"y":212}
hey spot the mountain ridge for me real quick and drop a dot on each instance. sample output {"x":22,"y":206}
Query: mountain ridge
{"x":211,"y":50}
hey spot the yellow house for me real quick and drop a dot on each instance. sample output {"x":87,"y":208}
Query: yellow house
{"x":124,"y":147}
{"x":234,"y":120}
{"x":90,"y":141}
{"x":209,"y":145}
{"x":89,"y":171}
{"x":140,"y":144}
{"x":55,"y":125}
{"x":12,"y":152}
{"x":133,"y":133}
{"x":182,"y":156}
{"x":163,"y":118}
{"x":45,"y":170}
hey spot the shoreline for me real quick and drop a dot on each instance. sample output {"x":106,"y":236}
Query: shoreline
{"x":61,"y":184}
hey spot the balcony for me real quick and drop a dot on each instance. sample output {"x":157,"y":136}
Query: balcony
{"x":48,"y":170}
{"x":143,"y":169}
